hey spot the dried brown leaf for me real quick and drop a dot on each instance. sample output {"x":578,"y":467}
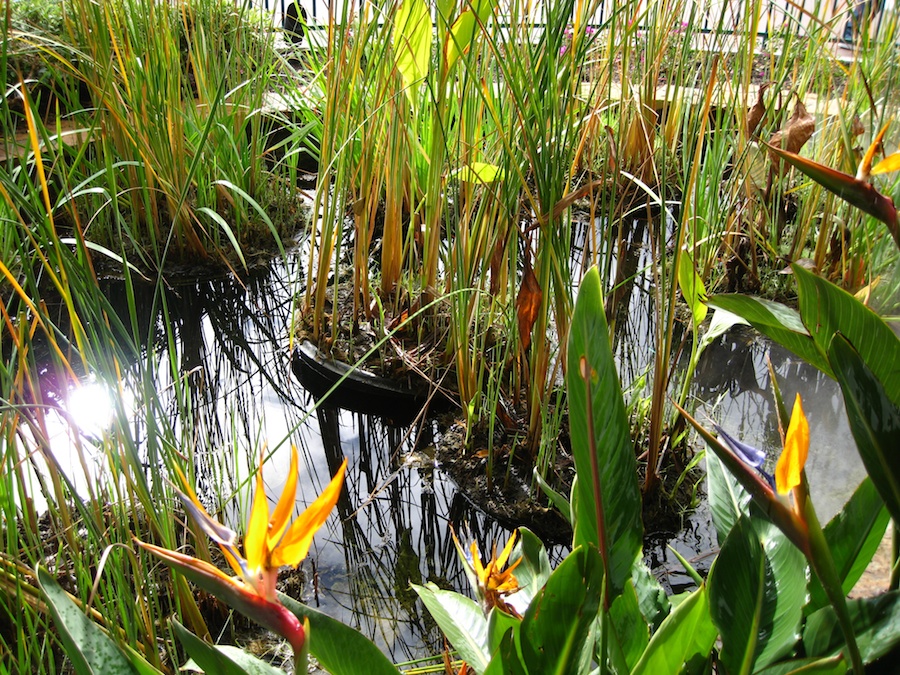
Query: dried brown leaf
{"x":796,"y":132}
{"x":757,"y":112}
{"x":528,"y":304}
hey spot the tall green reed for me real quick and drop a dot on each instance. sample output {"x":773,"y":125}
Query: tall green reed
{"x":174,"y":105}
{"x":57,"y":329}
{"x":463,"y":145}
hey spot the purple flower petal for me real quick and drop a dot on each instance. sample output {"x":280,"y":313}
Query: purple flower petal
{"x":747,"y":454}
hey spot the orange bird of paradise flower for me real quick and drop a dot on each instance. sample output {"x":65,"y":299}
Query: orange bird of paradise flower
{"x":270,"y":542}
{"x":494,"y":582}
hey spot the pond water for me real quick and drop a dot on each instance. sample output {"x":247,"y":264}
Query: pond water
{"x":393,"y":522}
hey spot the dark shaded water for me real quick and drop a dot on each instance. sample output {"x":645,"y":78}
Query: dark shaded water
{"x":392,"y":525}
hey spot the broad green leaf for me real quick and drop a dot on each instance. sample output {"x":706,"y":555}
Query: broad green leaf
{"x":785,"y":594}
{"x":460,"y":37}
{"x":827,"y":309}
{"x":776,"y":321}
{"x":736,"y":591}
{"x":722,"y":320}
{"x":596,"y":407}
{"x":853,"y":536}
{"x":629,"y":626}
{"x":249,"y":663}
{"x":876,"y":623}
{"x":221,"y":659}
{"x":534,"y":570}
{"x":87,"y":646}
{"x":685,"y":637}
{"x":412,"y":39}
{"x":727,"y":499}
{"x":554,"y":631}
{"x":506,"y":660}
{"x":480,"y":172}
{"x":652,"y":598}
{"x":834,"y":665}
{"x":874,"y":421}
{"x":461,"y":621}
{"x":499,"y":624}
{"x":558,"y":500}
{"x":463,"y":31}
{"x":340,"y":649}
{"x":692,"y":289}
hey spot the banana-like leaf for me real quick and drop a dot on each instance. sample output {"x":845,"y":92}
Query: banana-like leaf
{"x":223,"y":660}
{"x":339,"y":649}
{"x":833,"y":665}
{"x":874,"y":420}
{"x":606,"y":501}
{"x":652,"y":598}
{"x":480,"y":172}
{"x":506,"y":659}
{"x":827,"y":309}
{"x":737,"y":582}
{"x":412,"y":39}
{"x":785,"y":594}
{"x":728,"y":500}
{"x":859,"y":193}
{"x":853,"y":536}
{"x":461,"y":620}
{"x":876,"y":622}
{"x":499,"y":624}
{"x":628,"y":626}
{"x":692,"y":289}
{"x":463,"y":31}
{"x":534,"y":570}
{"x":685,"y":637}
{"x":776,"y":321}
{"x":555,"y":629}
{"x":89,"y":648}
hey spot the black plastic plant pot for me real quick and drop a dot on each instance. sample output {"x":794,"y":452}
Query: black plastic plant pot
{"x":359,"y":391}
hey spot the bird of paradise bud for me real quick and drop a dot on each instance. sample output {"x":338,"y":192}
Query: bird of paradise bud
{"x":798,"y":521}
{"x":492,"y":582}
{"x":270,"y":542}
{"x":855,"y":190}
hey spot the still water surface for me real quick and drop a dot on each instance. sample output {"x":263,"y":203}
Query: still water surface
{"x":393,"y":523}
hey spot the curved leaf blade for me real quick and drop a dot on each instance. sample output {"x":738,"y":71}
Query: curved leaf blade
{"x":610,"y":451}
{"x":687,"y":635}
{"x":412,"y":39}
{"x":736,"y":590}
{"x":786,"y":572}
{"x":728,"y":500}
{"x":777,"y":322}
{"x":221,"y":659}
{"x":876,"y":622}
{"x":340,"y":649}
{"x":555,"y":629}
{"x":827,"y":309}
{"x":89,"y":648}
{"x":461,"y":621}
{"x":874,"y":421}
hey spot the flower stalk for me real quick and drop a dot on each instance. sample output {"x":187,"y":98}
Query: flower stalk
{"x":797,"y":519}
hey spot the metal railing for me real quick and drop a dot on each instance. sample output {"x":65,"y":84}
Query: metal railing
{"x":715,"y":16}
